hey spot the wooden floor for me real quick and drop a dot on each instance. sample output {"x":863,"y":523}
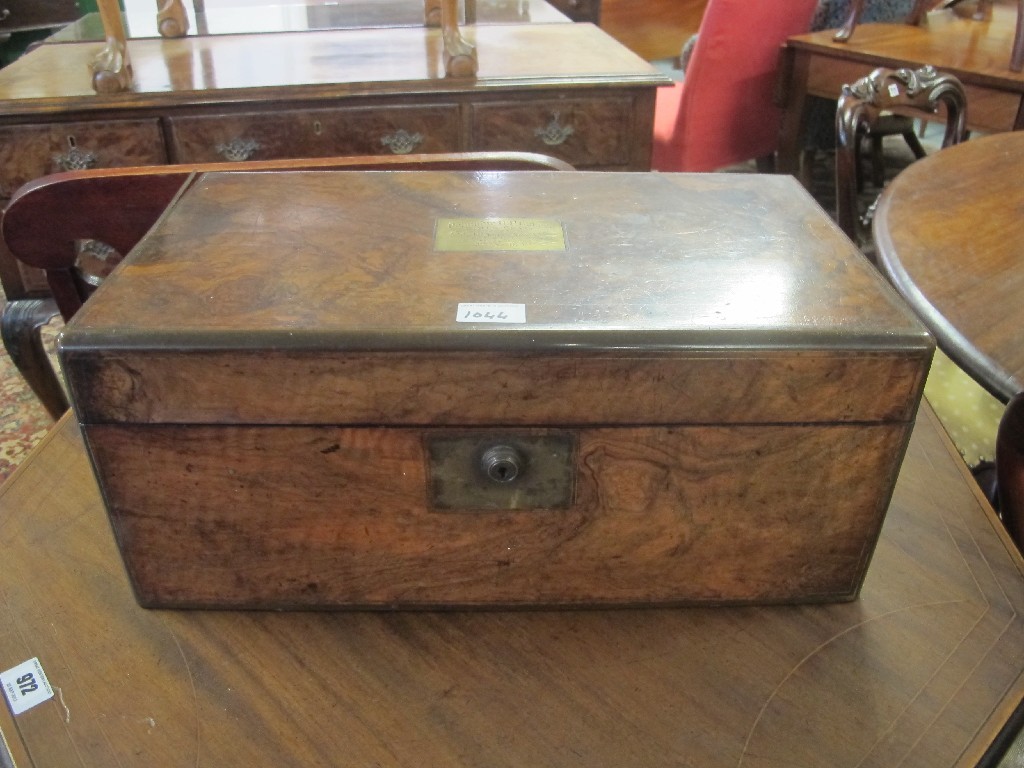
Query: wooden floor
{"x":654,"y":29}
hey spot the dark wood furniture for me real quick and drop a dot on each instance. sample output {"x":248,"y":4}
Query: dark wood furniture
{"x":335,"y":411}
{"x":869,"y":105}
{"x":950,"y":237}
{"x":922,"y":671}
{"x":975,"y":52}
{"x":982,"y":11}
{"x":361,"y":91}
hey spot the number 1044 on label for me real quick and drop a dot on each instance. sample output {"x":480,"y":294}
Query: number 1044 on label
{"x":491,"y":313}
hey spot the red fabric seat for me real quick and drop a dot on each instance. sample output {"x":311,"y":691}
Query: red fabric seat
{"x":723,"y":111}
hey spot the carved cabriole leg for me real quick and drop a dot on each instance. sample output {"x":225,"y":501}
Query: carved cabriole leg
{"x":171,"y":19}
{"x":459,"y":55}
{"x":112,"y":69}
{"x":21,"y":328}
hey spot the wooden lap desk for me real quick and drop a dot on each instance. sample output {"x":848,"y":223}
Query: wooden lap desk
{"x":922,"y":670}
{"x":976,"y":52}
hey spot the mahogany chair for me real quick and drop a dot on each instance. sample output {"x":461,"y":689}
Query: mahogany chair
{"x":870,"y":102}
{"x":921,"y":7}
{"x":723,"y":112}
{"x":49,"y":219}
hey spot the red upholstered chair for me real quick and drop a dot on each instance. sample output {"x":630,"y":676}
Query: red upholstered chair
{"x":723,"y":111}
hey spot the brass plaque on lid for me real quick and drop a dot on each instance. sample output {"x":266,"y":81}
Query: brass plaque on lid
{"x":499,"y":234}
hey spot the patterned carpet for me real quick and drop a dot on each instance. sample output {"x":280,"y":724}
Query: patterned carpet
{"x":23,"y":421}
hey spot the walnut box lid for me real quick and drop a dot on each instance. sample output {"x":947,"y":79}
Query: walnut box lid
{"x":735,"y":282}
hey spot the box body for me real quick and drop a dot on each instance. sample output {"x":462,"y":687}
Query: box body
{"x":431,"y":389}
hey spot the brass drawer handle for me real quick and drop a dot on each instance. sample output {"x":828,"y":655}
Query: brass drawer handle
{"x":76,"y":158}
{"x":401,"y":142}
{"x":554,"y":133}
{"x":238,"y":150}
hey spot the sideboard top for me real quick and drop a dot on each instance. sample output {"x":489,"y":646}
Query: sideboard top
{"x":326,"y":64}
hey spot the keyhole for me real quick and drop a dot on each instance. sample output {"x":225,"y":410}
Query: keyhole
{"x":502,"y":463}
{"x":504,"y":471}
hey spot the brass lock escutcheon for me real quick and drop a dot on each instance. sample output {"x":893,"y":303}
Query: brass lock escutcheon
{"x":494,"y":472}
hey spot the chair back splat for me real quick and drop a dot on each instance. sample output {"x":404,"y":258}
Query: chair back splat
{"x":876,"y":97}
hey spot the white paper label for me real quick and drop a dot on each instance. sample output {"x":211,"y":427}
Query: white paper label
{"x":491,"y":313}
{"x":894,"y":90}
{"x":25,"y":686}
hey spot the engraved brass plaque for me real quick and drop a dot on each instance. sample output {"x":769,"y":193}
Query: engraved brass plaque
{"x":496,"y":471}
{"x":499,"y":234}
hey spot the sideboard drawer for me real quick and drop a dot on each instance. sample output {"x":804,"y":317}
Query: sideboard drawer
{"x":30,"y":151}
{"x":584,"y":132}
{"x":315,"y":133}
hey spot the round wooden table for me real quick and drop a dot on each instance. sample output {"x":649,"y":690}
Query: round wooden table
{"x":950,"y":237}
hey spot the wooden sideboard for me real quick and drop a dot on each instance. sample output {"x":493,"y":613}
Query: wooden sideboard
{"x":566,"y":90}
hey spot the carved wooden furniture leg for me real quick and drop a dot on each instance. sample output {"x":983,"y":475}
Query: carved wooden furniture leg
{"x":171,"y":19}
{"x":112,"y":69}
{"x":459,"y":55}
{"x":21,"y":328}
